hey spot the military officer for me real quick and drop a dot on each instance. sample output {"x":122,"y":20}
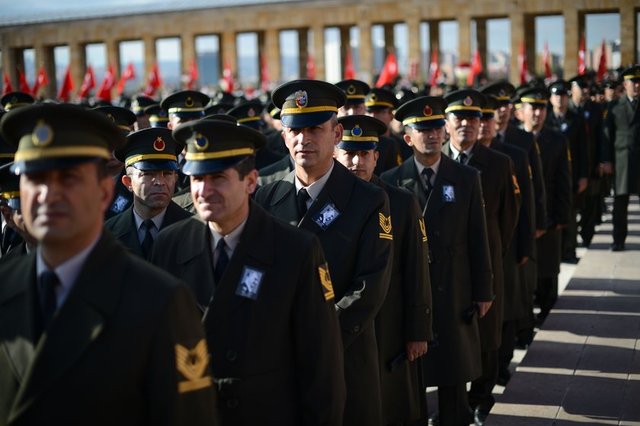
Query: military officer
{"x":264,"y":288}
{"x":150,"y":157}
{"x":621,"y":148}
{"x":16,"y":240}
{"x":284,"y":166}
{"x":76,"y":304}
{"x":403,"y":325}
{"x":355,"y":91}
{"x":158,"y":117}
{"x":350,"y":218}
{"x":273,"y":130}
{"x":450,"y":196}
{"x":138,"y":107}
{"x":380,"y":103}
{"x":556,"y":167}
{"x":13,"y":100}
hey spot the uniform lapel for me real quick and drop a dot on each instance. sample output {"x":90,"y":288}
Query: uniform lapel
{"x":77,"y":324}
{"x":410,"y":180}
{"x":443,"y":178}
{"x":283,"y":202}
{"x":125,"y":230}
{"x":174,"y":214}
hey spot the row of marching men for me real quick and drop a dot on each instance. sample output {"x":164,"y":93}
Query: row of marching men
{"x":380,"y":291}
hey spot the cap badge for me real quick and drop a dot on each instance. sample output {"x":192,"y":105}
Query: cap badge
{"x":356,"y":131}
{"x":502,"y":93}
{"x":251,"y":112}
{"x":14,"y":100}
{"x":201,"y":142}
{"x":373,"y":98}
{"x":188,"y":102}
{"x":111,"y":117}
{"x":42,"y":134}
{"x":159,"y":144}
{"x":351,"y":90}
{"x":427,"y":111}
{"x":468,"y":101}
{"x":301,"y":98}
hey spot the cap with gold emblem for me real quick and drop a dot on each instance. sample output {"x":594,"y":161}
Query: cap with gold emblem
{"x":489,"y":106}
{"x":216,"y":145}
{"x":139,"y":103}
{"x":185,"y":104}
{"x":121,"y":117}
{"x":631,"y":73}
{"x":14,"y":100}
{"x":273,"y":110}
{"x":559,"y":87}
{"x":150,"y":149}
{"x":464,"y":103}
{"x":158,"y":117}
{"x":425,"y":112}
{"x":306,"y":103}
{"x":502,"y":90}
{"x":379,"y":98}
{"x":248,"y":114}
{"x":361,"y":132}
{"x":355,"y":90}
{"x":222,"y":117}
{"x":534,"y":95}
{"x":9,"y":187}
{"x":54,"y":136}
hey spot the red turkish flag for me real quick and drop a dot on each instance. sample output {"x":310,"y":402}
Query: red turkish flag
{"x":546,"y":60}
{"x":154,"y":82}
{"x":7,"y":87}
{"x":602,"y":65}
{"x":522,"y":64}
{"x":41,"y":80}
{"x":88,"y":83}
{"x":23,"y":86}
{"x":128,"y":74}
{"x":227,"y":84}
{"x":108,"y":82}
{"x":193,"y":75}
{"x":582,"y":66}
{"x":349,"y":70}
{"x":476,"y":68}
{"x":389,"y":71}
{"x":67,"y":86}
{"x":434,"y":68}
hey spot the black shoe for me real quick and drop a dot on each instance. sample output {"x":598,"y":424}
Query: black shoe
{"x":504,"y":375}
{"x":572,"y":259}
{"x":479,"y":416}
{"x":617,"y":247}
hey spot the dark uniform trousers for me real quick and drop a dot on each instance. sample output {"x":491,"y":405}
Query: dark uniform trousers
{"x":501,"y":204}
{"x":622,"y":147}
{"x":556,"y":166}
{"x":123,"y":226}
{"x":270,"y":322}
{"x":350,"y":219}
{"x":460,"y":271}
{"x":406,"y":313}
{"x":107,"y":357}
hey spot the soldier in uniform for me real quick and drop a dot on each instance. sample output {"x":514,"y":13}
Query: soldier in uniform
{"x":15,"y":239}
{"x":350,"y":218}
{"x":572,"y":125}
{"x":403,"y":325}
{"x":263,"y":286}
{"x":356,"y":91}
{"x":556,"y":167}
{"x":138,"y":107}
{"x":150,"y":157}
{"x":13,"y":100}
{"x":380,"y":103}
{"x":158,"y":117}
{"x":75,"y":302}
{"x":622,"y":151}
{"x":450,"y":196}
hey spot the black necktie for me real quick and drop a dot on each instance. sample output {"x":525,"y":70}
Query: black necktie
{"x":222,"y":262}
{"x":462,"y":158}
{"x":47,"y":292}
{"x":301,"y":199}
{"x":427,"y":174}
{"x":147,"y":242}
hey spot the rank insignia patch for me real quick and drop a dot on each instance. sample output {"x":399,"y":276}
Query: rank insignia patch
{"x":325,"y":280}
{"x":423,"y":229}
{"x":192,"y":364}
{"x":516,"y":187}
{"x":385,"y":225}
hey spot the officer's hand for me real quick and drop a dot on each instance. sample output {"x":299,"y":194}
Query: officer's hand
{"x":416,"y":349}
{"x":523,"y":260}
{"x":540,"y":232}
{"x":582,"y":184}
{"x":607,"y":168}
{"x":483,"y":308}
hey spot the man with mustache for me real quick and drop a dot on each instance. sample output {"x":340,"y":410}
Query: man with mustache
{"x":151,"y":164}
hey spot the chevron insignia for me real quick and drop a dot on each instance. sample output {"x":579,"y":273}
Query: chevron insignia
{"x":516,"y":187}
{"x":385,"y":225}
{"x":192,"y":364}
{"x":325,"y":280}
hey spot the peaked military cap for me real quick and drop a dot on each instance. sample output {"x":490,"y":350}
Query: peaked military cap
{"x":502,"y":90}
{"x":216,"y":145}
{"x":54,"y":136}
{"x":158,"y":117}
{"x":425,"y":112}
{"x":248,"y":113}
{"x":139,"y":103}
{"x":9,"y":187}
{"x":465,"y":102}
{"x":222,"y":117}
{"x":7,"y":152}
{"x":489,"y":106}
{"x":14,"y":100}
{"x":405,"y":95}
{"x":580,"y":81}
{"x":534,"y":95}
{"x":361,"y":132}
{"x":379,"y":98}
{"x":150,"y":149}
{"x":220,"y":103}
{"x":121,"y":117}
{"x":355,"y":90}
{"x":186,"y":103}
{"x":610,"y":84}
{"x":559,"y":87}
{"x":631,"y":73}
{"x":306,"y":103}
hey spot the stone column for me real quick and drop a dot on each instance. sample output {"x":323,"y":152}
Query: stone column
{"x":228,"y":52}
{"x":573,"y":30}
{"x":389,"y":39}
{"x":271,"y":52}
{"x":517,"y":38}
{"x":413,"y":30}
{"x":303,"y":52}
{"x":150,"y":57}
{"x":188,"y":45}
{"x":77,"y":62}
{"x":365,"y":52}
{"x":530,"y":43}
{"x":464,"y":37}
{"x":318,"y":49}
{"x":113,"y":54}
{"x":345,"y":45}
{"x":44,"y":55}
{"x":628,"y":33}
{"x":481,"y":42}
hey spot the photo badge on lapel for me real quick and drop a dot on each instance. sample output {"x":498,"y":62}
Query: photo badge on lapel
{"x":250,"y":282}
{"x":326,"y":216}
{"x":448,"y":194}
